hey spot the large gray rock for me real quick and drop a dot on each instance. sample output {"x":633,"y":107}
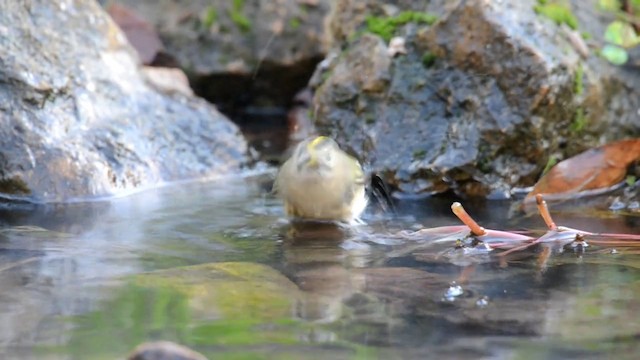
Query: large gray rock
{"x":78,"y":120}
{"x":481,"y":99}
{"x":240,"y":53}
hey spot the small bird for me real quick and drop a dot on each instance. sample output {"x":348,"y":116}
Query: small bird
{"x":321,"y":182}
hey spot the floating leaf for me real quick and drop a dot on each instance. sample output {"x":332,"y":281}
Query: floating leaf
{"x":615,"y":54}
{"x":622,"y":34}
{"x":598,"y":168}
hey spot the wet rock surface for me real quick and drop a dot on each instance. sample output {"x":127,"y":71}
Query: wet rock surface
{"x":480,"y":101}
{"x":79,"y":120}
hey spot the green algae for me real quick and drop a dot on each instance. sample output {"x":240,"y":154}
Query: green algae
{"x":210,"y":17}
{"x":238,"y":18}
{"x":385,"y":27}
{"x":428,"y":59}
{"x":578,"y":82}
{"x":559,"y":13}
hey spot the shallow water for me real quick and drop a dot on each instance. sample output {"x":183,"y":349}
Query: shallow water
{"x":218,"y":268}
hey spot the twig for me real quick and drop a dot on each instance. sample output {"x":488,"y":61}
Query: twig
{"x":460,"y":212}
{"x":544,"y":212}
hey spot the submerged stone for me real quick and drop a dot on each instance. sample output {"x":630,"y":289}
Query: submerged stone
{"x":164,"y":350}
{"x":229,"y":291}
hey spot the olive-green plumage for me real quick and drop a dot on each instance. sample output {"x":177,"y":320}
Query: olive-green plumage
{"x":321,"y":182}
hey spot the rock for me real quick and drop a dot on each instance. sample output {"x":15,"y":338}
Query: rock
{"x":79,"y":120}
{"x":164,"y":350}
{"x":482,"y":99}
{"x":141,"y":34}
{"x":240,"y":53}
{"x":348,"y":17}
{"x":168,"y":80}
{"x":229,"y":290}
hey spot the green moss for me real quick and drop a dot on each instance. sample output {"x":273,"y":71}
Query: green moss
{"x":630,"y":180}
{"x":484,"y":165}
{"x":238,"y":18}
{"x":385,"y":27}
{"x":210,"y":17}
{"x":14,"y":185}
{"x":610,"y":5}
{"x":550,"y":163}
{"x":579,"y":121}
{"x":586,"y":35}
{"x":559,"y":13}
{"x":294,"y":23}
{"x":326,"y":75}
{"x":428,"y":59}
{"x":419,"y":154}
{"x":578,"y":82}
{"x":134,"y":314}
{"x":369,"y":118}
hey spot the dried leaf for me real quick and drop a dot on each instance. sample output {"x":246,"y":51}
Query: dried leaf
{"x":598,"y":168}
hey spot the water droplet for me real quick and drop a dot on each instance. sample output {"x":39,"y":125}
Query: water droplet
{"x":452,"y":292}
{"x":482,"y":302}
{"x":617,"y":204}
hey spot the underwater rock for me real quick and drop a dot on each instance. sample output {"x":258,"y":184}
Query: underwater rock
{"x":485,"y":95}
{"x":164,"y":350}
{"x":229,"y":290}
{"x":79,"y":120}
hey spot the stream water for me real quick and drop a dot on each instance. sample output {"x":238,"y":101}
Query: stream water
{"x":218,"y":268}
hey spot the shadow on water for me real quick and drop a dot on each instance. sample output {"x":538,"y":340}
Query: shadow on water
{"x":218,"y":268}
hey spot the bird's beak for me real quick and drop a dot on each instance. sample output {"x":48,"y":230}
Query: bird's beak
{"x":311,"y":149}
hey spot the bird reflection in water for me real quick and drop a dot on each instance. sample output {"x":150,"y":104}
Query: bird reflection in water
{"x":319,"y":259}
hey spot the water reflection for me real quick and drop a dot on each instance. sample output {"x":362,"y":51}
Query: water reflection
{"x":315,"y":260}
{"x":219,"y":268}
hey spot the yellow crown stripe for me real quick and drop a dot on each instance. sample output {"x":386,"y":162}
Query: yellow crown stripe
{"x":311,"y":149}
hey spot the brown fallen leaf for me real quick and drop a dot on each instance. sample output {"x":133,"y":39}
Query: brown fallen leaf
{"x":598,"y":168}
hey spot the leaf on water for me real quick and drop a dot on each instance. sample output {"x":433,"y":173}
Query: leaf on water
{"x":622,"y":34}
{"x":615,"y":54}
{"x":597,"y":168}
